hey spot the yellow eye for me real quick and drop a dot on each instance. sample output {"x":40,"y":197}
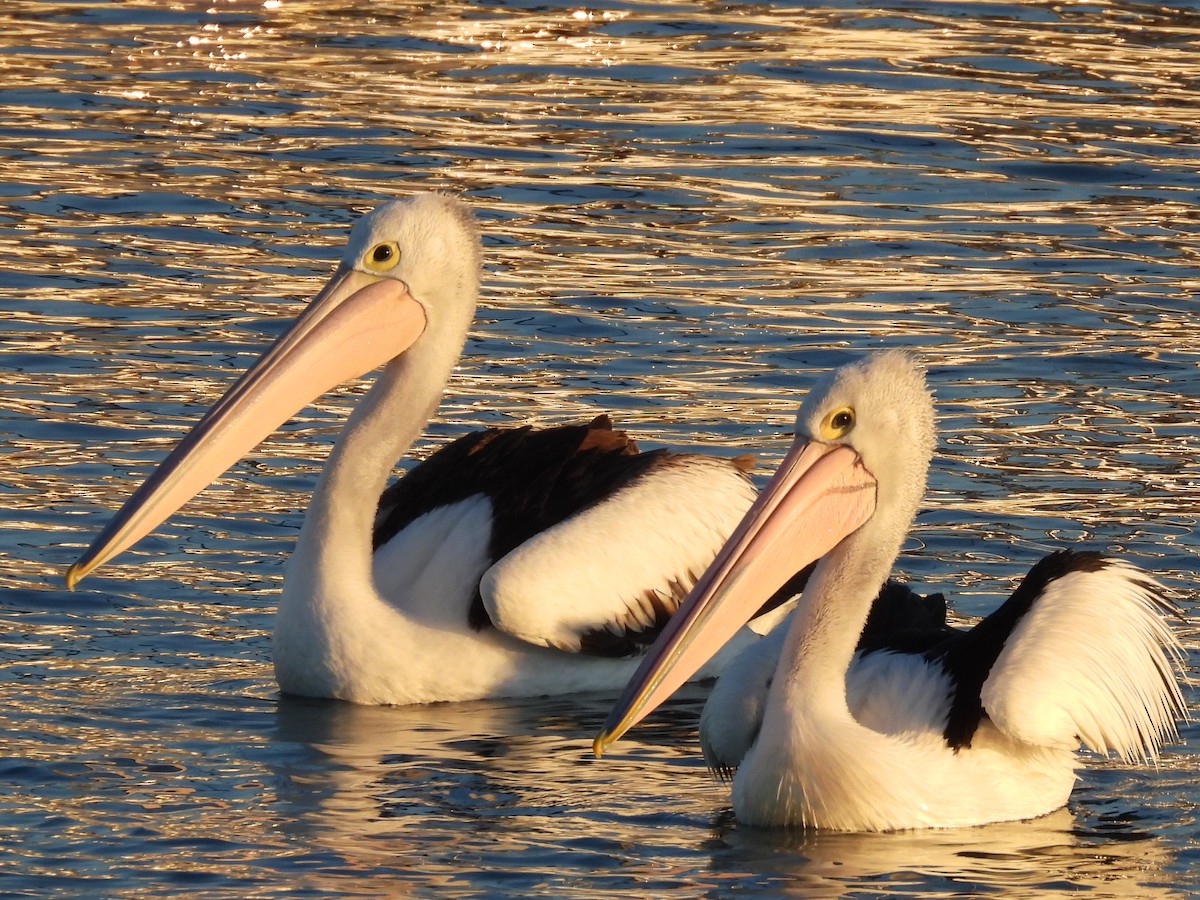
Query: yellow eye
{"x":383,"y":256}
{"x":837,"y":424}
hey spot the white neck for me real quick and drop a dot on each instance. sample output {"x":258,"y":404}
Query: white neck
{"x":830,"y":616}
{"x":335,"y":541}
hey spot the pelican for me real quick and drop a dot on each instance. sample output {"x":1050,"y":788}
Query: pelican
{"x":957,"y":729}
{"x":511,"y":563}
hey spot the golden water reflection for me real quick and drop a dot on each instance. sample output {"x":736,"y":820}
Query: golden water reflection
{"x":689,"y":209}
{"x":643,"y":817}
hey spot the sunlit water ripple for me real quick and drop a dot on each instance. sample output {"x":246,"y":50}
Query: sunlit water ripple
{"x":690,"y":209}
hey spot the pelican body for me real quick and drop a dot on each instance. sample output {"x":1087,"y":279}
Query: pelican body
{"x":511,"y":563}
{"x":945,"y":727}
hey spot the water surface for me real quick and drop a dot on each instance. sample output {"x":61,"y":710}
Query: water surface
{"x":690,"y":210}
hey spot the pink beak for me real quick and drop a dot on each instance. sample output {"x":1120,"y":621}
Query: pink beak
{"x":355,"y":324}
{"x":820,"y":494}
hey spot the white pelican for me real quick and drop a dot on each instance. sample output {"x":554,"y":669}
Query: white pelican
{"x":973,"y":727}
{"x":511,"y":563}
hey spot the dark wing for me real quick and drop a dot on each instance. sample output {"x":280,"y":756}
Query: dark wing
{"x":1080,"y":651}
{"x":565,"y":500}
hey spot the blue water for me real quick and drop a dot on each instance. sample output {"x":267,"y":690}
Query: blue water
{"x":690,"y":210}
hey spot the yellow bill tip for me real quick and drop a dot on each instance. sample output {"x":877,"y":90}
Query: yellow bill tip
{"x":600,"y":743}
{"x":75,"y":575}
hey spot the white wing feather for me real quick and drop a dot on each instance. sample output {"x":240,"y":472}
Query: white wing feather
{"x":1094,"y":661}
{"x":596,"y":569}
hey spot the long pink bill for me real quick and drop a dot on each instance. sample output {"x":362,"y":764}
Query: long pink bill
{"x":820,"y":494}
{"x":355,"y":324}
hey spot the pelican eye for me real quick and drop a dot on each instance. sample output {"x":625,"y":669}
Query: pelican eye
{"x":838,"y":423}
{"x":383,"y":256}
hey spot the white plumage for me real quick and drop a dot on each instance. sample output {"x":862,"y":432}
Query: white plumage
{"x":387,"y":595}
{"x":945,"y":728}
{"x":1091,"y":662}
{"x":646,"y":539}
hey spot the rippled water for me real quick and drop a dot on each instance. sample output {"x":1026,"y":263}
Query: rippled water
{"x":690,"y":209}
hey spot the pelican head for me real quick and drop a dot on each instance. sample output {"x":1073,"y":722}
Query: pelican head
{"x":880,"y":409}
{"x":406,"y":286}
{"x":864,"y":438}
{"x":429,"y":243}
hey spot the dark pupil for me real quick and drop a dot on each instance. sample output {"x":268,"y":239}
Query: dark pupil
{"x":841,"y":420}
{"x":382,"y":253}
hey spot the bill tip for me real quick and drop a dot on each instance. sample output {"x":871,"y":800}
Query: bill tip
{"x":599,"y":744}
{"x":74,"y":575}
